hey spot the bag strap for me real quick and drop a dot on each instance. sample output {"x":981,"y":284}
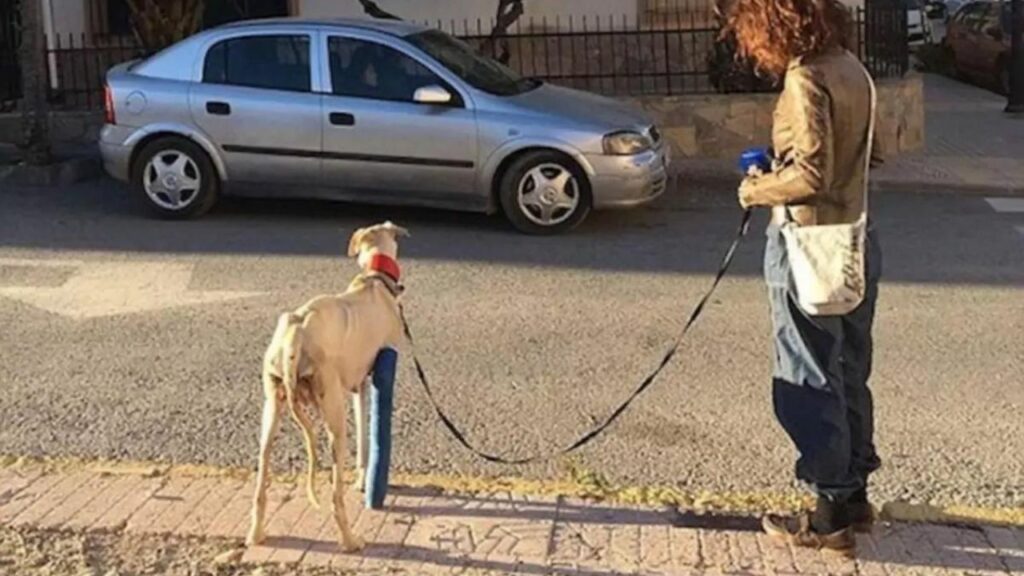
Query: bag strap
{"x":872,"y":105}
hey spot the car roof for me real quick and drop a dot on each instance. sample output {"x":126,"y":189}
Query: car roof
{"x":392,"y":27}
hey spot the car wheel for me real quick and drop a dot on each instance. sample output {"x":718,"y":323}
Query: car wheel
{"x":176,"y":178}
{"x":545,"y":193}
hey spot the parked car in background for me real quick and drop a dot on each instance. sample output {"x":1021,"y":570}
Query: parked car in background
{"x":978,"y":39}
{"x":370,"y":111}
{"x":937,"y":14}
{"x":917,"y":23}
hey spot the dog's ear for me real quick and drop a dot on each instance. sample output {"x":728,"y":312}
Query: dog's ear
{"x":355,"y":241}
{"x":398,"y":231}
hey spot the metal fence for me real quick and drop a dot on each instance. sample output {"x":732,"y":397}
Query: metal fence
{"x":882,"y":38}
{"x":613,"y":56}
{"x":668,"y":47}
{"x":78,"y":66}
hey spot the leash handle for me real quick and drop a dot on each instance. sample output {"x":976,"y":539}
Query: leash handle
{"x":585,"y":439}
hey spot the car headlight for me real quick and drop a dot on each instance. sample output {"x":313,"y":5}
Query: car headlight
{"x":626,"y":143}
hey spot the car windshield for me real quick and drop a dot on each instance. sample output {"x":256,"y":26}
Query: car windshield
{"x":475,"y":69}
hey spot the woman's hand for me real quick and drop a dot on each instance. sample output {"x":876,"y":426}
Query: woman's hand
{"x":746,"y":196}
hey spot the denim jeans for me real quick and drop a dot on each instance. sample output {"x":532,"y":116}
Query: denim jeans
{"x":820,"y":382}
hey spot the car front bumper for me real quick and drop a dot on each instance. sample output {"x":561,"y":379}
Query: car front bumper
{"x":116,"y":156}
{"x":629,"y":181}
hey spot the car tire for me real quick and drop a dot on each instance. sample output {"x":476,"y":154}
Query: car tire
{"x":545,"y":193}
{"x":176,"y":178}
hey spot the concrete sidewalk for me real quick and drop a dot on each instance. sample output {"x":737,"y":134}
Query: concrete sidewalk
{"x":970,"y":143}
{"x":423,"y":531}
{"x":971,"y":146}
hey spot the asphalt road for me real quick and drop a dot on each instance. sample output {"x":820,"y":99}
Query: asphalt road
{"x":529,"y":340}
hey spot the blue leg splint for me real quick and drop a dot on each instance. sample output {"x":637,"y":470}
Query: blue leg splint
{"x":382,"y":401}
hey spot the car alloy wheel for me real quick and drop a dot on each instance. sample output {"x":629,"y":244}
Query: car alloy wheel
{"x":176,"y":178}
{"x":548,"y":195}
{"x":172,"y":179}
{"x":544,"y":192}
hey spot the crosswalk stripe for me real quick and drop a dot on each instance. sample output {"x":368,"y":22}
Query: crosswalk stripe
{"x":1006,"y":205}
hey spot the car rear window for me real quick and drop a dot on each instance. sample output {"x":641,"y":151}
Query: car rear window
{"x":266,"y":61}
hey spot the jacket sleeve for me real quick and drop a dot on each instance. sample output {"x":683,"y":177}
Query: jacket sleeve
{"x":806,"y":165}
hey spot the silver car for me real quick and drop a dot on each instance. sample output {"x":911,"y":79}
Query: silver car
{"x":370,"y":111}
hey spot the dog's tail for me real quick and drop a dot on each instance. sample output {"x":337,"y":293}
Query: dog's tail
{"x":292,"y":347}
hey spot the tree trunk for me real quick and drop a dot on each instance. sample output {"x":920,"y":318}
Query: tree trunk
{"x":35,"y":108}
{"x":508,"y":14}
{"x":374,"y":11}
{"x":160,"y":23}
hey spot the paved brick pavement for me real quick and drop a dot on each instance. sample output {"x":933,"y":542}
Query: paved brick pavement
{"x":424,"y":532}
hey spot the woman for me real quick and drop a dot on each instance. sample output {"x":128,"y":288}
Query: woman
{"x":822,"y":363}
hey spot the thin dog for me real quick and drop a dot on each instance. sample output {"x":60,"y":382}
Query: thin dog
{"x":321,"y":354}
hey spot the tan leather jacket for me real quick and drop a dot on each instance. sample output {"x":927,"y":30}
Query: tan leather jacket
{"x":819,"y":134}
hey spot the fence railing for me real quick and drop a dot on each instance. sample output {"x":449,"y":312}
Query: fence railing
{"x":611,"y":56}
{"x":78,"y":67}
{"x":661,"y":50}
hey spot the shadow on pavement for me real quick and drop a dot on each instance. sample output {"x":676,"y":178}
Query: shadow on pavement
{"x":893,"y":545}
{"x":926,"y":238}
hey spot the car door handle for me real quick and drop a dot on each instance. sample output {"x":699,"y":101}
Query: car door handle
{"x":218,"y":108}
{"x":342,"y":119}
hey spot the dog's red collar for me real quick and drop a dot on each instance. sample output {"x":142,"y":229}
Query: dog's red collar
{"x":386,"y":265}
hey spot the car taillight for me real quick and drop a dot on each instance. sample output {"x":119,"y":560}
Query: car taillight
{"x":108,"y":105}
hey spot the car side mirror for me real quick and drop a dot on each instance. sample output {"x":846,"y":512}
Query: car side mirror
{"x":432,"y":95}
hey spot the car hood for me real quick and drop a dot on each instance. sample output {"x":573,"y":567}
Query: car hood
{"x":582,"y":107}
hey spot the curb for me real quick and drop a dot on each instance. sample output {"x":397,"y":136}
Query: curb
{"x":731,"y":181}
{"x":948,"y":188}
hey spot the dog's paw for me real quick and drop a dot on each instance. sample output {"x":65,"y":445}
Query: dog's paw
{"x":354,"y":544}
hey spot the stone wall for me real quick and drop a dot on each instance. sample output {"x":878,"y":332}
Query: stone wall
{"x":723,"y":125}
{"x":79,"y":128}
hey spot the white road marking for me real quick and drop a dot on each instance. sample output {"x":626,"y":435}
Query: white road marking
{"x":110,"y":289}
{"x":1006,"y":205}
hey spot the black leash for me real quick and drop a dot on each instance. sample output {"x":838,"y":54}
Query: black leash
{"x":586,"y":438}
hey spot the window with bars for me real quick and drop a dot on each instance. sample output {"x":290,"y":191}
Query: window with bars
{"x":113,"y":17}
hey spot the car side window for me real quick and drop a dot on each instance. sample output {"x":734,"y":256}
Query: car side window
{"x":363,"y":69}
{"x":275,"y":62}
{"x":968,"y":13}
{"x":979,"y":17}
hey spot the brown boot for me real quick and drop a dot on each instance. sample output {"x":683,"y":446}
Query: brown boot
{"x":797,"y":531}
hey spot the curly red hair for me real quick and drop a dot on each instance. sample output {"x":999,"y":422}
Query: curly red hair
{"x":771,"y":33}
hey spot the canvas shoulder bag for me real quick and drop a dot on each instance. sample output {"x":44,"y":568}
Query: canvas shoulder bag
{"x":827,"y":261}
